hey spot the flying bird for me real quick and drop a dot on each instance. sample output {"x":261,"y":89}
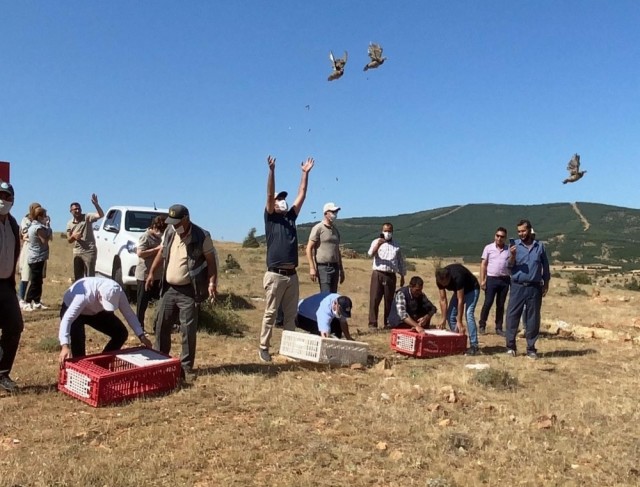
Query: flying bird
{"x":574,"y":170}
{"x":375,"y":53}
{"x":338,"y":65}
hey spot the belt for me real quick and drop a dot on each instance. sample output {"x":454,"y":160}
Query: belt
{"x":528,"y":283}
{"x":388,"y":273}
{"x":282,"y":272}
{"x":504,"y":278}
{"x":328,"y":264}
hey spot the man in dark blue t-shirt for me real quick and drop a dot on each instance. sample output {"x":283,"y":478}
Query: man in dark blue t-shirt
{"x":281,"y":281}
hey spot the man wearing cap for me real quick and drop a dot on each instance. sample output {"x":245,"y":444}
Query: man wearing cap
{"x":325,"y":314}
{"x":323,"y":251}
{"x":92,"y":301}
{"x":281,"y":281}
{"x":189,"y":277}
{"x":11,"y":324}
{"x":80,"y":234}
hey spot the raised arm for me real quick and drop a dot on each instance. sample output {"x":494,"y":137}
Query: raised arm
{"x":94,"y":200}
{"x":271,"y":185}
{"x":302,"y":190}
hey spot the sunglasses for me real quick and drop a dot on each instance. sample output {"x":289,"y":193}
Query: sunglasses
{"x":500,"y":236}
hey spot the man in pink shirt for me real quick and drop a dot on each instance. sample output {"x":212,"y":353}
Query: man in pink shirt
{"x":494,"y":279}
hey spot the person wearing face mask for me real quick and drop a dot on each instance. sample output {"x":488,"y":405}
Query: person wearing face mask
{"x":149,"y":244}
{"x":325,"y":314}
{"x":323,"y":251}
{"x":11,"y":324}
{"x":387,"y":262}
{"x":38,"y":254}
{"x":281,"y":280}
{"x":80,"y":234}
{"x":189,"y":277}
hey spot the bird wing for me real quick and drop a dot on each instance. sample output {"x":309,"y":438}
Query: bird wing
{"x":574,"y":164}
{"x":332,"y":59}
{"x":375,"y":51}
{"x":340,"y":62}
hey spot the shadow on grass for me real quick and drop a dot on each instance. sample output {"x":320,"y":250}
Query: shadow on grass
{"x":270,"y":370}
{"x":567,"y":353}
{"x":233,"y":301}
{"x":218,"y":319}
{"x":493,"y":350}
{"x":38,"y":389}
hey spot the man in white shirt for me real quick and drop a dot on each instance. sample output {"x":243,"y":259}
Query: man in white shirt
{"x":387,"y":262}
{"x":92,"y":301}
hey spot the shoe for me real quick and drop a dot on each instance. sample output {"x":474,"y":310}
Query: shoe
{"x":483,"y":330}
{"x":175,"y":328}
{"x":7,"y":384}
{"x":500,"y":333}
{"x":263,"y":353}
{"x":511,"y":353}
{"x":387,"y":327}
{"x":27,"y":307}
{"x":473,"y":351}
{"x":532,"y":355}
{"x":279,"y":324}
{"x":39,"y":306}
{"x":22,"y":303}
{"x":373,"y":328}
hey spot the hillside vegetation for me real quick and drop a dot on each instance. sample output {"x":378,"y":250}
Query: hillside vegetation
{"x":611,"y":238}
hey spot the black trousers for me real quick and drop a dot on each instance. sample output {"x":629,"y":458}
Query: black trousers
{"x":11,"y":325}
{"x":497,"y":289}
{"x":143,"y":297}
{"x":34,"y":293}
{"x":105,"y":322}
{"x":311,"y":326}
{"x":382,"y":284}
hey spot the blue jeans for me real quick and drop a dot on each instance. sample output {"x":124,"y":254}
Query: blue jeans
{"x":470,"y":301}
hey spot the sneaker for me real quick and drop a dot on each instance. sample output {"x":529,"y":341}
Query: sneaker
{"x":27,"y":307}
{"x":532,"y":355}
{"x":373,"y":328}
{"x":22,"y":303}
{"x":263,"y":353}
{"x":39,"y":306}
{"x":511,"y":353}
{"x":500,"y":333}
{"x":483,"y":330}
{"x":7,"y":384}
{"x":473,"y":351}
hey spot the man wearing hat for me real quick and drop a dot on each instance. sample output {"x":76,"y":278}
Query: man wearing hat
{"x":189,"y":277}
{"x":11,"y":324}
{"x":323,"y":251}
{"x":93,"y":301}
{"x":281,"y":281}
{"x":325,"y":314}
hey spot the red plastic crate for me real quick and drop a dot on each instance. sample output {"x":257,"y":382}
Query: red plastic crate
{"x":433,"y":343}
{"x":116,"y":376}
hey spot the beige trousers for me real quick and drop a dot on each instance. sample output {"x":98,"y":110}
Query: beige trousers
{"x":280,"y":291}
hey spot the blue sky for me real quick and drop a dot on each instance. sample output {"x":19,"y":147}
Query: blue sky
{"x":181,"y":102}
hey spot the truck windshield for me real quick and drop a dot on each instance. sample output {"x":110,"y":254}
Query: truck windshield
{"x":139,"y":221}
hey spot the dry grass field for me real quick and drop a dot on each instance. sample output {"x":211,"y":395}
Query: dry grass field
{"x":568,"y":419}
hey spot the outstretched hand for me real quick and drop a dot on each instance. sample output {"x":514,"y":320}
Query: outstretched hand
{"x":307,"y":165}
{"x":94,"y":199}
{"x":272,"y":162}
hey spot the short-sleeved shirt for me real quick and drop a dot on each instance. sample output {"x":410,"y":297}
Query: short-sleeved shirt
{"x":148,"y":240}
{"x":326,"y":241}
{"x":177,"y":263}
{"x":37,"y":250}
{"x":282,"y":238}
{"x":319,"y":308}
{"x":497,"y":260}
{"x":461,"y":278}
{"x":87,"y":243}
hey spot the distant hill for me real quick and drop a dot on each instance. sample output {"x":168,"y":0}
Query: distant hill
{"x":583,"y":233}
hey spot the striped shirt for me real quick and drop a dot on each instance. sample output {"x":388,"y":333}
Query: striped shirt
{"x":388,"y":258}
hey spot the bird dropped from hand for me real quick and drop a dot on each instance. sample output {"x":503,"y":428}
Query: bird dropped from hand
{"x":375,"y":53}
{"x":338,"y":65}
{"x":574,"y":170}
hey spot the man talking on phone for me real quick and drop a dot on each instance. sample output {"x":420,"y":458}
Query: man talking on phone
{"x":530,"y":277}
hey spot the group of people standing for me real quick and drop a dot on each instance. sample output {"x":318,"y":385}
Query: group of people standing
{"x":521,"y":266}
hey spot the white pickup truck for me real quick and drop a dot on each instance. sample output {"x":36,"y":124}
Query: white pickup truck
{"x":116,"y":236}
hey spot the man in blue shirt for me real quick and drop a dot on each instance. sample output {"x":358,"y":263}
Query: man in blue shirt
{"x":530,"y":277}
{"x":325,"y":314}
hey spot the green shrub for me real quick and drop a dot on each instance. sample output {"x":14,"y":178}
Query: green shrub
{"x":250,"y":241}
{"x":220,"y":319}
{"x":580,"y":278}
{"x":496,"y":379}
{"x":632,"y":285}
{"x":410,"y":265}
{"x":49,"y":344}
{"x":574,"y":290}
{"x":556,"y":275}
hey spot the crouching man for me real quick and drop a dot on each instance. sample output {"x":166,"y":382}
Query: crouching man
{"x":325,"y":314}
{"x":93,"y":301}
{"x":411,"y":308}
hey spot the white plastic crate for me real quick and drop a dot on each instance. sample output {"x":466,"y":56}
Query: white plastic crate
{"x":314,"y":348}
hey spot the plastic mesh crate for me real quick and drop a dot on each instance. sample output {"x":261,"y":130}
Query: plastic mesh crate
{"x":433,"y":343}
{"x":116,"y":376}
{"x":314,"y":348}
